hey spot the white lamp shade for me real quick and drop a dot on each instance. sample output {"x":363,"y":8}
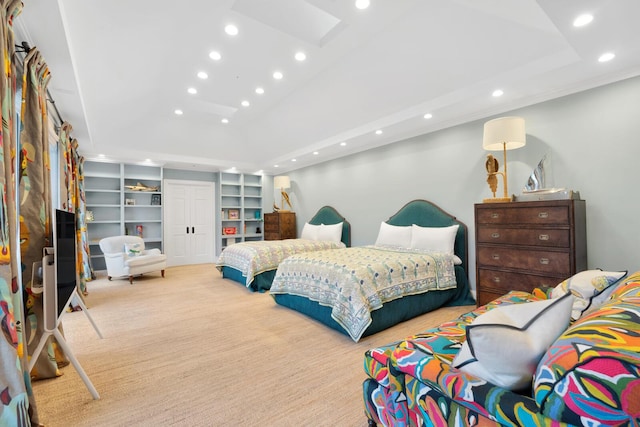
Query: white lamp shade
{"x":281,"y":181}
{"x":504,"y":130}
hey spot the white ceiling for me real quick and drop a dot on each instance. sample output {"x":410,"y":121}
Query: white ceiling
{"x":120,"y":68}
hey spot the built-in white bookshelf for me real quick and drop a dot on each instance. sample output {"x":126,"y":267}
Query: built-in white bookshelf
{"x":123,"y":199}
{"x":241,"y":213}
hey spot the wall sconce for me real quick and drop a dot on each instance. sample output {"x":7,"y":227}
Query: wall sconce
{"x":282,"y":182}
{"x":504,"y":133}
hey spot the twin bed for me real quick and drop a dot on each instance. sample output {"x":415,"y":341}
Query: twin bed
{"x":254,"y":264}
{"x":363,"y":290}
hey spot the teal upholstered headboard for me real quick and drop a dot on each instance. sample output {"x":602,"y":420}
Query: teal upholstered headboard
{"x":426,"y":214}
{"x":328,"y":215}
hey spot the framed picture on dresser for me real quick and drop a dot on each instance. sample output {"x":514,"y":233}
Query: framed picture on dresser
{"x":234,"y":214}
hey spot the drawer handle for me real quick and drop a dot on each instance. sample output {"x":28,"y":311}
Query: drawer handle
{"x":543,"y":214}
{"x":495,"y":256}
{"x":543,"y":237}
{"x":495,"y":215}
{"x":496,"y":279}
{"x":544,"y":261}
{"x":495,"y":235}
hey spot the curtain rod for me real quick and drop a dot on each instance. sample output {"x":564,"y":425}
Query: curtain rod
{"x":25,"y":48}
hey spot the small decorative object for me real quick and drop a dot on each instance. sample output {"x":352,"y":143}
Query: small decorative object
{"x":139,"y":230}
{"x":282,"y":182}
{"x":156,"y":199}
{"x":234,"y":214}
{"x":504,"y":133}
{"x":256,"y":214}
{"x":258,"y":230}
{"x":89,"y":216}
{"x":130,"y":202}
{"x":142,"y":187}
{"x":229,"y":230}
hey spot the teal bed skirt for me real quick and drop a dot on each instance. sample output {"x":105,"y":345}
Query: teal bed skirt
{"x":392,"y":312}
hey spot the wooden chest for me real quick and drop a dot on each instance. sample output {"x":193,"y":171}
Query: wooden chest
{"x":279,"y":225}
{"x":522,"y":245}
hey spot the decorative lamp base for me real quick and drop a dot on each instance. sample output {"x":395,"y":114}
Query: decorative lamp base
{"x":498,"y":200}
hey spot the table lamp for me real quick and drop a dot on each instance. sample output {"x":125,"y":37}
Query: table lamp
{"x":282,"y":182}
{"x":504,"y":133}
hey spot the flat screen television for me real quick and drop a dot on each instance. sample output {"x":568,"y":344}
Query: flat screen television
{"x":59,"y":268}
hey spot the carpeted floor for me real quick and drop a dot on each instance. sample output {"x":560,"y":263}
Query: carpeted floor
{"x":194,"y":349}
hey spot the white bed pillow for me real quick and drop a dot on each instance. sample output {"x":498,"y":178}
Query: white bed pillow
{"x":435,"y":239}
{"x":504,"y":345}
{"x":330,"y":232}
{"x":310,"y":231}
{"x":394,"y":235}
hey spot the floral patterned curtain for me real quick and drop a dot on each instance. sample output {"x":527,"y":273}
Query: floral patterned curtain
{"x":35,"y":207}
{"x":72,"y":199}
{"x":17,"y":407}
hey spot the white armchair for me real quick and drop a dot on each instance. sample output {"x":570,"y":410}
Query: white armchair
{"x":126,"y":256}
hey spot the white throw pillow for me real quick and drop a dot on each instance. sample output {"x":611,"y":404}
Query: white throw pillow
{"x":504,"y":345}
{"x":434,"y":239}
{"x":133,"y":249}
{"x":586,"y":287}
{"x":394,"y":235}
{"x":310,"y":231}
{"x":330,"y":232}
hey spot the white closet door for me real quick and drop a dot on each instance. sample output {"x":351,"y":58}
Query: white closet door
{"x":188,"y":222}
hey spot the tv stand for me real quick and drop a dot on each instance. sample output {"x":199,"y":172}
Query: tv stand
{"x":52,"y":319}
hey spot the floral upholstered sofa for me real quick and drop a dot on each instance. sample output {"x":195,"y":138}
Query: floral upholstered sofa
{"x":589,"y":375}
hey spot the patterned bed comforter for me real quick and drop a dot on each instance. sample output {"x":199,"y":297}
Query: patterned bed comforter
{"x":253,"y":258}
{"x":356,"y":281}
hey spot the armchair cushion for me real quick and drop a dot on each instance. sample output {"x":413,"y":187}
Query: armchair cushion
{"x":133,"y":249}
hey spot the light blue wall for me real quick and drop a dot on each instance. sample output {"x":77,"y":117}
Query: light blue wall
{"x":190,"y":175}
{"x":591,"y":137}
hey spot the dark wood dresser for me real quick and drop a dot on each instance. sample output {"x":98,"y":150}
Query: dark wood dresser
{"x":279,"y":225}
{"x":522,"y":245}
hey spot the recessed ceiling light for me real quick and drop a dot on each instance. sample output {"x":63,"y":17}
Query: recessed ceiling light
{"x":294,"y":160}
{"x":147,"y":160}
{"x":300,"y":56}
{"x":101,"y":156}
{"x":245,"y":103}
{"x":192,"y":90}
{"x":278,"y":75}
{"x":378,"y":132}
{"x":202,"y":75}
{"x":231,"y":29}
{"x":259,"y":90}
{"x":498,"y":92}
{"x":178,"y":112}
{"x":583,"y":20}
{"x":215,"y":55}
{"x":343,"y":144}
{"x":362,"y":4}
{"x":606,"y":57}
{"x":315,"y":153}
{"x":428,"y":116}
{"x":276,"y":166}
{"x":225,"y":120}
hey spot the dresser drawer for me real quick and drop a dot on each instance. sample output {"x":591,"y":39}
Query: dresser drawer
{"x":271,"y":235}
{"x":505,"y":281}
{"x":287,"y":221}
{"x":524,"y":215}
{"x":556,"y":238}
{"x":532,"y":260}
{"x":271,"y":226}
